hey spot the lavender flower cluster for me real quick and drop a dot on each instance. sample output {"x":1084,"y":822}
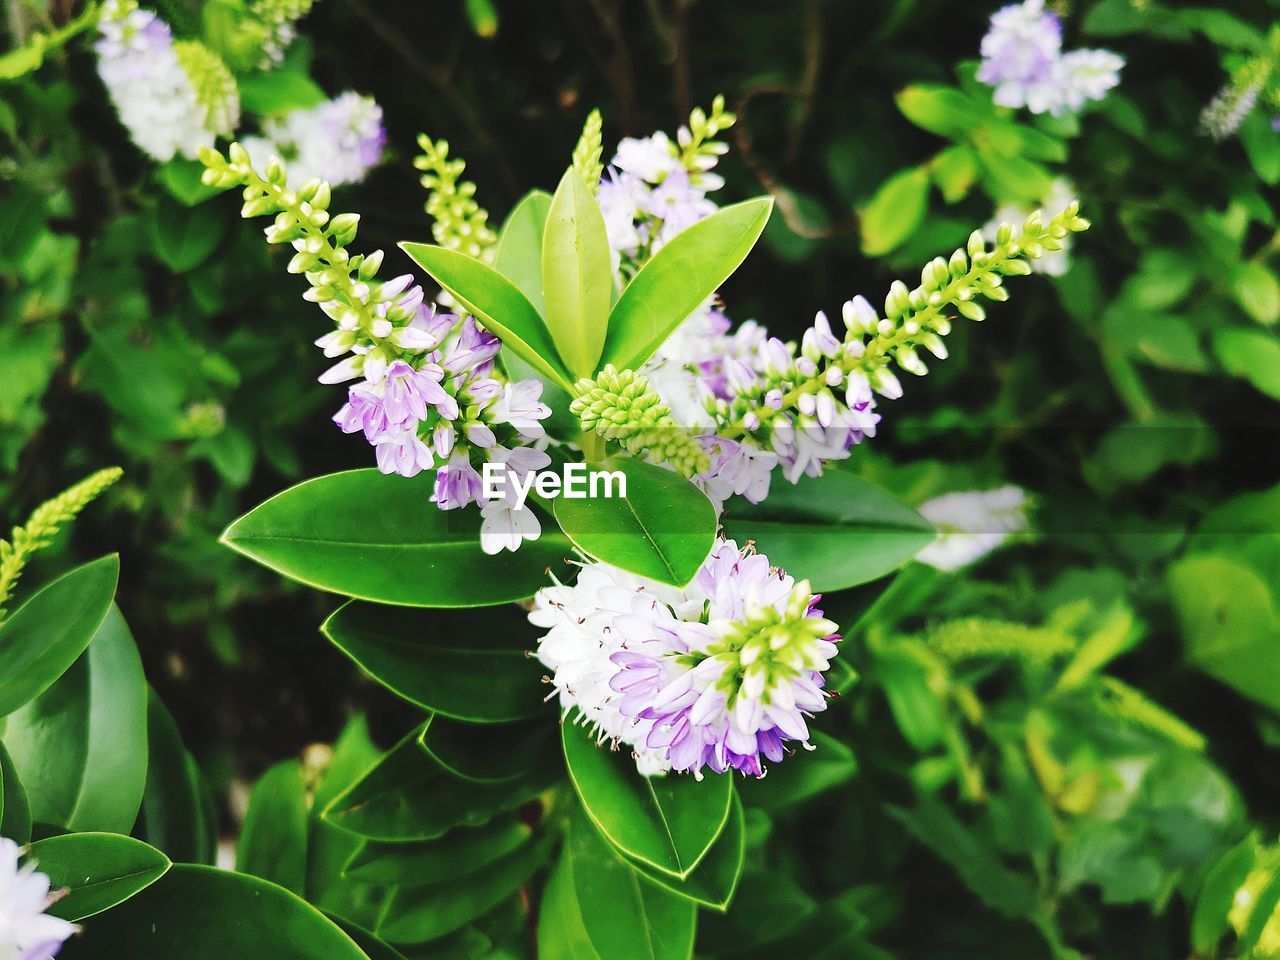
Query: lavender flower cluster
{"x":719,"y":675}
{"x":1022,"y":58}
{"x":338,"y":141}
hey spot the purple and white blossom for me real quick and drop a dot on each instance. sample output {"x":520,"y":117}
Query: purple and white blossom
{"x":152,"y":92}
{"x":721,"y":674}
{"x":971,"y":524}
{"x":1022,"y":59}
{"x":26,"y":931}
{"x":338,"y":141}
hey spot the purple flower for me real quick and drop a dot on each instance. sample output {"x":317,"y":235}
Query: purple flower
{"x":521,"y":407}
{"x":457,"y":483}
{"x":474,"y":347}
{"x":403,"y":452}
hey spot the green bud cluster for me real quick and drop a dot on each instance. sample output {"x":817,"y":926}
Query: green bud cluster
{"x":586,"y":155}
{"x":1117,"y":699}
{"x":43,"y":525}
{"x":620,"y":405}
{"x":459,"y":222}
{"x":344,"y":285}
{"x":770,"y":647}
{"x":275,"y":20}
{"x":960,"y":640}
{"x":215,"y":87}
{"x":699,"y":151}
{"x":914,"y":319}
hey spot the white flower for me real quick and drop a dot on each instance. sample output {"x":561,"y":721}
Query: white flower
{"x":649,"y":158}
{"x":1087,"y":75}
{"x":152,"y":93}
{"x":520,"y":405}
{"x":971,"y":524}
{"x":338,"y":141}
{"x":26,"y":931}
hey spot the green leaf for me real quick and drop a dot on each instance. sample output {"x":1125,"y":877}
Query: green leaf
{"x":577,"y":275}
{"x":1230,"y":621}
{"x":183,"y":237}
{"x":181,"y":177}
{"x":1262,"y":914}
{"x":435,"y":861}
{"x":1261,"y":146}
{"x":199,"y":913}
{"x":98,"y":871}
{"x":1014,"y":178}
{"x":417,"y":914}
{"x":668,"y":823}
{"x":1210,"y":919}
{"x":44,"y":636}
{"x":831,"y":764}
{"x":366,"y":941}
{"x":678,"y":280}
{"x":81,"y":746}
{"x":836,"y":530}
{"x":662,"y":529}
{"x":407,"y":796}
{"x":465,"y":665}
{"x":273,"y":840}
{"x":954,"y":170}
{"x":278,"y":91}
{"x":561,"y":933}
{"x":895,"y":212}
{"x":1257,"y":290}
{"x":518,"y":255}
{"x":715,"y":880}
{"x":489,"y":753}
{"x":497,"y":303}
{"x":1251,"y":354}
{"x":377,"y":537}
{"x":173,"y":820}
{"x":940,"y":109}
{"x":626,"y":916}
{"x":15,"y":811}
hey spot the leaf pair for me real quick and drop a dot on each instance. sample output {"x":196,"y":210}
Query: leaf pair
{"x":572,"y":332}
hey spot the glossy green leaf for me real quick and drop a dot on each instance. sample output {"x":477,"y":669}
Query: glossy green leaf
{"x":407,"y":796}
{"x":199,"y":913}
{"x":895,"y":211}
{"x":1251,"y":354}
{"x":490,"y":753}
{"x":15,"y":811}
{"x":836,"y":530}
{"x":678,"y":280}
{"x":98,"y":871}
{"x":376,"y":537}
{"x":668,"y":823}
{"x":273,"y":840}
{"x":44,"y":636}
{"x":497,"y":303}
{"x":1231,"y":623}
{"x":577,"y":275}
{"x":714,"y":882}
{"x":80,"y":748}
{"x":625,"y":916}
{"x":1257,"y":290}
{"x":940,"y":109}
{"x":468,"y":665}
{"x":374,"y":948}
{"x":561,"y":933}
{"x":172,"y":818}
{"x":435,"y":861}
{"x":518,"y":256}
{"x":662,"y":529}
{"x":417,"y":914}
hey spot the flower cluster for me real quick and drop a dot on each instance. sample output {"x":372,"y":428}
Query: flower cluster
{"x":26,"y":931}
{"x":1022,"y":58}
{"x":272,"y":24}
{"x":458,"y":221}
{"x":427,"y":392}
{"x":338,"y":141}
{"x":1054,"y":263}
{"x":173,"y":97}
{"x":656,"y":187}
{"x":798,"y":406}
{"x":720,"y":674}
{"x":971,"y":524}
{"x":1255,"y":80}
